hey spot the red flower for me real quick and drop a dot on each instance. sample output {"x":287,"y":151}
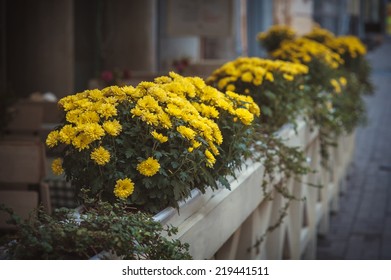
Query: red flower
{"x":107,"y":76}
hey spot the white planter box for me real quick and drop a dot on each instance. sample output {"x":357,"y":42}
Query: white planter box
{"x":225,"y":224}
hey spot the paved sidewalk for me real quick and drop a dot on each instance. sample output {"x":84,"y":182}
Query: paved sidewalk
{"x":361,"y":229}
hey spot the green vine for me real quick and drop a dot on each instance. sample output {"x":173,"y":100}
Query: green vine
{"x":100,"y":229}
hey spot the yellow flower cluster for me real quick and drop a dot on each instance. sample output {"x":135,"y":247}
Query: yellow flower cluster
{"x":319,"y":34}
{"x":349,"y":45}
{"x":90,"y":116}
{"x":338,"y":84}
{"x":277,"y":31}
{"x":304,"y":50}
{"x":158,"y":136}
{"x":163,"y":105}
{"x":57,"y":166}
{"x":188,"y":100}
{"x":210,"y":158}
{"x":254,"y":70}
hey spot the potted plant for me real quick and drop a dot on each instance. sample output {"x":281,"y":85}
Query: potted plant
{"x":277,"y":87}
{"x":152,"y":144}
{"x":324,"y":72}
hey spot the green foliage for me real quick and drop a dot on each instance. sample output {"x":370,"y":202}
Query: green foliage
{"x":101,"y":228}
{"x":279,"y":159}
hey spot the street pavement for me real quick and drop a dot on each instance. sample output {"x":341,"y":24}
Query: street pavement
{"x":361,"y":229}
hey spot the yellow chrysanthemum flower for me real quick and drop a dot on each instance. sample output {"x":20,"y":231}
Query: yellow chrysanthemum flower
{"x":73,"y":116}
{"x":343,"y":81}
{"x":57,"y":166}
{"x":210,"y":159}
{"x":96,"y":94}
{"x":231,"y":87}
{"x":158,"y":93}
{"x":84,"y":104}
{"x":247,"y":77}
{"x":52,"y":139}
{"x":67,"y":133}
{"x":81,"y":142}
{"x":150,"y":118}
{"x":213,"y":148}
{"x":186,"y":132}
{"x":148,"y":167}
{"x":288,"y":77}
{"x":149,"y":103}
{"x":173,"y":110}
{"x":123,"y":188}
{"x":195,"y":145}
{"x":88,"y":117}
{"x":254,"y":109}
{"x":112,"y":128}
{"x":244,"y":115}
{"x":92,"y":130}
{"x":209,"y":111}
{"x":101,"y":156}
{"x":269,"y":76}
{"x":67,"y":103}
{"x":336,"y":85}
{"x":160,"y":137}
{"x":223,"y":82}
{"x":164,"y":120}
{"x":107,"y":110}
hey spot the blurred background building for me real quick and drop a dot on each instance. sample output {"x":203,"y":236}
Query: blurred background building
{"x":60,"y":46}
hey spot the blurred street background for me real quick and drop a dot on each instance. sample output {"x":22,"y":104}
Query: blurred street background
{"x":361,"y":229}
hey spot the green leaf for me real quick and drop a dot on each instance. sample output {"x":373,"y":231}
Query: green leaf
{"x":157,"y":154}
{"x":224,"y":182}
{"x":266,"y":111}
{"x":270,"y":95}
{"x":129,"y":153}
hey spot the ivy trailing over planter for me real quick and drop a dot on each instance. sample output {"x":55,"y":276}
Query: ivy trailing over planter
{"x":101,"y":227}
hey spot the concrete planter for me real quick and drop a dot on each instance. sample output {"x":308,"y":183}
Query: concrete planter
{"x":228,"y":224}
